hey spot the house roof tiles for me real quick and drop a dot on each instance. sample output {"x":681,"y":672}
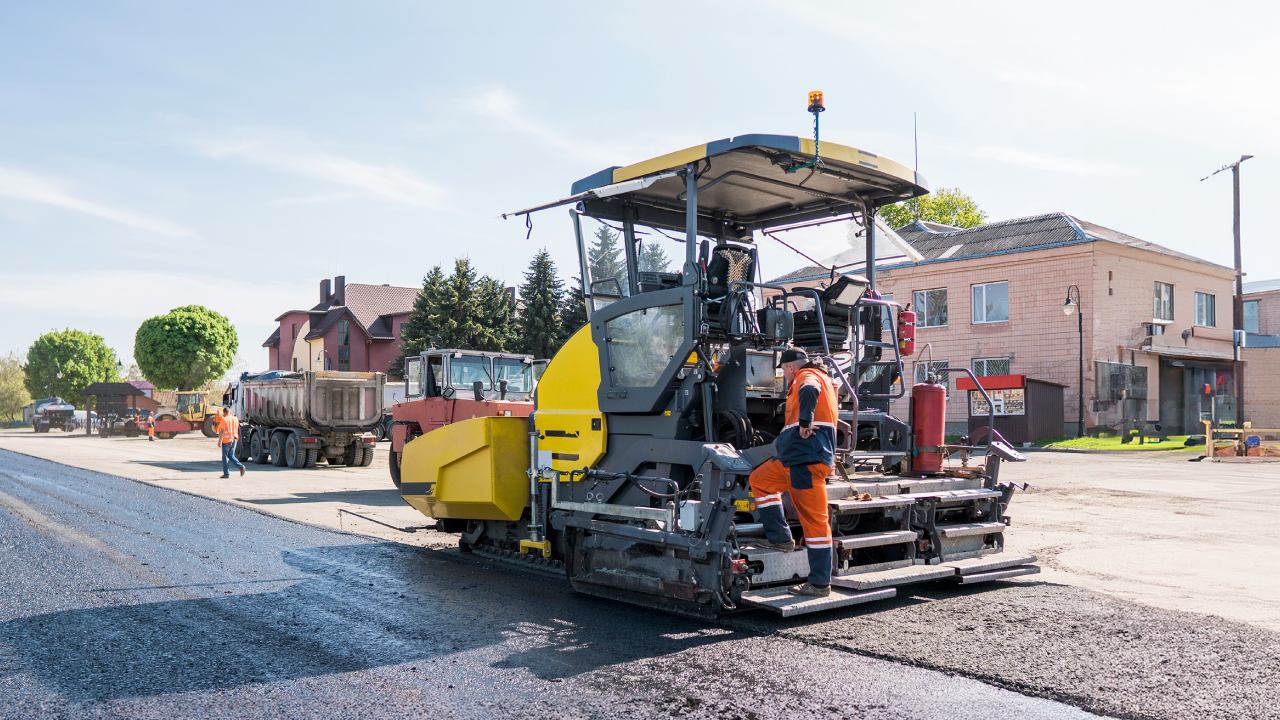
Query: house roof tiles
{"x":941,"y":243}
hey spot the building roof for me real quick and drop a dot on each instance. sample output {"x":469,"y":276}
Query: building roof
{"x":120,"y":388}
{"x":943,"y":243}
{"x":141,"y":384}
{"x":370,"y":306}
{"x":1261,"y":286}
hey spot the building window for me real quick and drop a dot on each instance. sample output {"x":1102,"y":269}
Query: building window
{"x":1205,"y":315}
{"x":986,"y":367}
{"x":886,"y":320}
{"x":328,"y":364}
{"x":295,"y":364}
{"x":931,"y":308}
{"x":991,"y":302}
{"x":923,"y":368}
{"x":295,"y":331}
{"x":344,"y":345}
{"x":1163,"y":301}
{"x":1251,"y":316}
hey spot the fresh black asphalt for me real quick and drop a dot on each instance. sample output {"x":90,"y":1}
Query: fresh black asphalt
{"x":121,"y":599}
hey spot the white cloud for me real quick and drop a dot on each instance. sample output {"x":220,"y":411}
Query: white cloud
{"x":21,"y":185}
{"x":289,"y":152}
{"x":502,"y":106}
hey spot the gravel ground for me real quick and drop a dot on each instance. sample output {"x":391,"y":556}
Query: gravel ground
{"x":119,"y":599}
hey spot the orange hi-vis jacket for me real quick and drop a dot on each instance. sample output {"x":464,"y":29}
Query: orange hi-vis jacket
{"x":228,"y":428}
{"x":811,"y":401}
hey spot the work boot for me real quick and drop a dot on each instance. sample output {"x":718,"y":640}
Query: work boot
{"x":241,"y":471}
{"x":223,"y":477}
{"x":785,"y":546}
{"x":810,"y":589}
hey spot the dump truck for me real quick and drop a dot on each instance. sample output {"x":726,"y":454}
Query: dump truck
{"x":54,"y":413}
{"x":630,"y":477}
{"x":297,"y":419}
{"x":444,"y":386}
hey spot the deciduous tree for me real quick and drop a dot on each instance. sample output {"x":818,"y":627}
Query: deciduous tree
{"x":13,"y":393}
{"x":63,"y":363}
{"x":947,"y":206}
{"x":185,"y":348}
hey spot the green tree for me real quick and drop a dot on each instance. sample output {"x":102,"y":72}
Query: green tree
{"x":186,"y":348}
{"x":538,"y":324}
{"x":607,"y":260}
{"x":497,"y":311}
{"x":13,"y":392}
{"x":947,"y":206}
{"x":419,"y":331}
{"x":64,"y":363}
{"x":573,"y":311}
{"x":653,"y":258}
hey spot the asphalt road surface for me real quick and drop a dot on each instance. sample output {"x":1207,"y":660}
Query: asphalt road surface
{"x":119,"y":599}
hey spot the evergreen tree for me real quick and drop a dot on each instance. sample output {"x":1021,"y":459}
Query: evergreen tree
{"x":418,"y":332}
{"x":460,"y":323}
{"x":607,"y":260}
{"x":538,"y":325}
{"x":653,"y":259}
{"x":573,"y":311}
{"x":496,"y":311}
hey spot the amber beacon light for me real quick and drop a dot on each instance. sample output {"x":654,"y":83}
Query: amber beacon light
{"x":815,"y":102}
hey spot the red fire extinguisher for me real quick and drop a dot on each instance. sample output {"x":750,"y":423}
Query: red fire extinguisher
{"x":906,"y":331}
{"x":928,"y":426}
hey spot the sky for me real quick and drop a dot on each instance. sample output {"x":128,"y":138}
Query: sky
{"x":233,"y":154}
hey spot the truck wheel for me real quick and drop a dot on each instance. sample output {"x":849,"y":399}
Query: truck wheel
{"x":294,"y":453}
{"x":257,"y":449}
{"x":311,"y":458}
{"x":207,"y":428}
{"x":393,"y":463}
{"x":351,"y":456}
{"x":103,"y":431}
{"x":367,"y":460}
{"x":242,"y":451}
{"x":277,"y":450}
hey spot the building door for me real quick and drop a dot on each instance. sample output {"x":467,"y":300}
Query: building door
{"x":1172,"y":397}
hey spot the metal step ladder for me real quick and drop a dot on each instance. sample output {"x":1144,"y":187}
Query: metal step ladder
{"x":785,"y":604}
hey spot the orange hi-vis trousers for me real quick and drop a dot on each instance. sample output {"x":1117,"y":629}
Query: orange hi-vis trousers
{"x":808,"y":487}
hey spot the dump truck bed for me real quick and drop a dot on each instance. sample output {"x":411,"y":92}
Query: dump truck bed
{"x":320,"y":402}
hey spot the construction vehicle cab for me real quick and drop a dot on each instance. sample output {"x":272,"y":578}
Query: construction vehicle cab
{"x":633,"y":476}
{"x":443,"y":386}
{"x":193,"y":411}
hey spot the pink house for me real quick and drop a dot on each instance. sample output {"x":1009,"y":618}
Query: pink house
{"x":354,"y":328}
{"x":1157,"y":322}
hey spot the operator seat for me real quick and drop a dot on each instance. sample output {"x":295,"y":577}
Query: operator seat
{"x":729,"y":264}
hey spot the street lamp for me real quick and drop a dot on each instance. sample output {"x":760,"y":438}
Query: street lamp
{"x":1067,"y":308}
{"x":1237,"y":307}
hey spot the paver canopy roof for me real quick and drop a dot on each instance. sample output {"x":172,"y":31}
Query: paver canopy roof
{"x":743,"y":185}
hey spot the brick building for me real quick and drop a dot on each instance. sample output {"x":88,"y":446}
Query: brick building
{"x":353,"y":328}
{"x":1262,"y":352}
{"x":1157,"y":322}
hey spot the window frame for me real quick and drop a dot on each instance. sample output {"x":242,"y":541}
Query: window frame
{"x":919,"y":300}
{"x":1257,"y":323}
{"x":1156,"y":302}
{"x":944,"y":378}
{"x":1007,"y":360}
{"x":973,"y":309}
{"x":1211,"y":305}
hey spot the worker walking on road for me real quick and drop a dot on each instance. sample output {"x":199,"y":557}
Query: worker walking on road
{"x":228,"y":429}
{"x":806,"y":454}
{"x":151,"y":427}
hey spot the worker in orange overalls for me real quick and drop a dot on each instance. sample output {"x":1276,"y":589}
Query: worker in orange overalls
{"x":151,"y":427}
{"x":228,"y":428}
{"x":806,"y":454}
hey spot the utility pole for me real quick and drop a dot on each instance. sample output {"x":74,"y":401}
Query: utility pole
{"x":1237,"y":306}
